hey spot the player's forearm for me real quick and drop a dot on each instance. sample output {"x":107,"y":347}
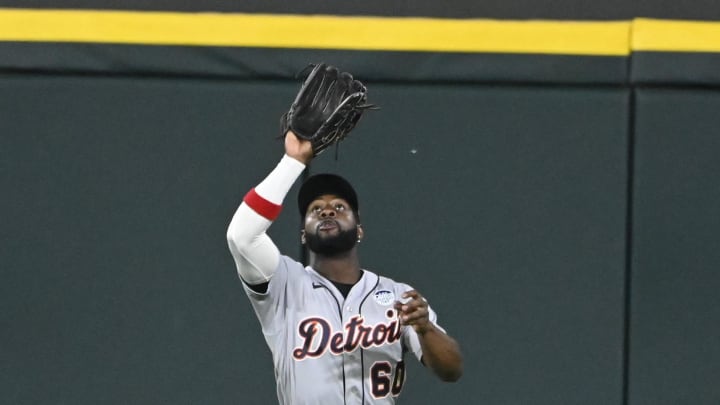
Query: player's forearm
{"x":262,"y":204}
{"x":255,"y":255}
{"x":441,"y":354}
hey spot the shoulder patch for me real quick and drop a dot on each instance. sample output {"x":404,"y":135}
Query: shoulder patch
{"x":384,"y":297}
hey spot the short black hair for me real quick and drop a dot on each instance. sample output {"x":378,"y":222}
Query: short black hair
{"x":326,"y":183}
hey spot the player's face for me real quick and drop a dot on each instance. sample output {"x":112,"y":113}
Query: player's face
{"x":331,"y":227}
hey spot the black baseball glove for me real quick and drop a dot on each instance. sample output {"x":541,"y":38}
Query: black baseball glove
{"x":326,"y":108}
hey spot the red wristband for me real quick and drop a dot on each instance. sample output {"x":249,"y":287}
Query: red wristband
{"x":262,"y":206}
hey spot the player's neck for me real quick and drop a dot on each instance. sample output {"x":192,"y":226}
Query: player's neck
{"x":342,"y":268}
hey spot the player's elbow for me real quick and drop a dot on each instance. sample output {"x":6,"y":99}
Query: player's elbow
{"x":445,"y":360}
{"x":451,"y":372}
{"x":238,"y":244}
{"x":449,"y":369}
{"x":452,"y":375}
{"x":244,"y":229}
{"x":232,"y":239}
{"x":237,"y":235}
{"x":231,"y":236}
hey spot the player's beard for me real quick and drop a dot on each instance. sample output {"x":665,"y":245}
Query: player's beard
{"x":332,"y":245}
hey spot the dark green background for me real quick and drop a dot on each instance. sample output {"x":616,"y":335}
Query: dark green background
{"x":675,"y":346}
{"x":565,"y":234}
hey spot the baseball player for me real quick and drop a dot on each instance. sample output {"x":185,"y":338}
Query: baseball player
{"x":338,"y":333}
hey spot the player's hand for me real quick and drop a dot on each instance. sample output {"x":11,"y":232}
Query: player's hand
{"x":298,"y":149}
{"x":414,"y":312}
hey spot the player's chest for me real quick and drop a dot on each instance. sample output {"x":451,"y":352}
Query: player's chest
{"x":330,"y":323}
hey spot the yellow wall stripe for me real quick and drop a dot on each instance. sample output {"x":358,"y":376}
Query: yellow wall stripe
{"x":611,"y":38}
{"x":316,"y":32}
{"x":675,"y":36}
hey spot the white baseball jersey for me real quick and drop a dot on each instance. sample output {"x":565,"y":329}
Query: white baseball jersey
{"x":332,"y":350}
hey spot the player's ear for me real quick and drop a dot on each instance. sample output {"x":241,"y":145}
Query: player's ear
{"x":360,"y":232}
{"x":302,"y":237}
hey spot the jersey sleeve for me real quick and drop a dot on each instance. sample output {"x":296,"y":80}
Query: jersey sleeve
{"x":270,"y":306}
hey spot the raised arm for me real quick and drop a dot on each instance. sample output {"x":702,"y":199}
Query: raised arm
{"x":256,"y":256}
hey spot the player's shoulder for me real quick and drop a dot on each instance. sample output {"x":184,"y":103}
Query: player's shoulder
{"x":288,"y":261}
{"x":387,"y":283}
{"x":293,"y":267}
